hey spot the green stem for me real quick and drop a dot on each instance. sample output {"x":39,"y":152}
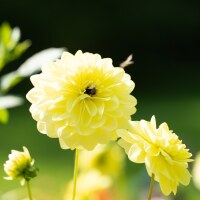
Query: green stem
{"x":151,"y":187}
{"x":75,"y":174}
{"x":29,"y":190}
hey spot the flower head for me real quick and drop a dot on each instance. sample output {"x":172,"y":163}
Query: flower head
{"x":20,"y":165}
{"x":81,"y":99}
{"x":90,"y":185}
{"x":108,"y":159}
{"x":160,"y":149}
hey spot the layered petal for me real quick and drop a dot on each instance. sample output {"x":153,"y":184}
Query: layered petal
{"x":160,"y":149}
{"x":81,"y":99}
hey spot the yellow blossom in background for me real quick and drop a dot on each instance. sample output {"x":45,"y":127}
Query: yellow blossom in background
{"x":89,"y":186}
{"x":108,"y":159}
{"x":160,"y":149}
{"x":20,"y":165}
{"x":196,"y":171}
{"x":81,"y":99}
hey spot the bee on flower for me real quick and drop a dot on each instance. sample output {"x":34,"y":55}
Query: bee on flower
{"x":165,"y":156}
{"x":81,"y":99}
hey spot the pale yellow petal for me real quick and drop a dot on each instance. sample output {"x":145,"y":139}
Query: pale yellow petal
{"x":90,"y":107}
{"x":136,"y":154}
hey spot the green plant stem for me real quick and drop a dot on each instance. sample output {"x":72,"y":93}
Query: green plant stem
{"x":29,"y":190}
{"x":151,"y":187}
{"x":75,"y":174}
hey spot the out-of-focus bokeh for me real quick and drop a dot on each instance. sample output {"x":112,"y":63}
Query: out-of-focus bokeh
{"x":164,"y":38}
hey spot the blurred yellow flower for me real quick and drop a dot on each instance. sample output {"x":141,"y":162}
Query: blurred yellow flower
{"x":81,"y":99}
{"x":196,"y":171}
{"x":20,"y":165}
{"x":108,"y":159}
{"x":160,"y":149}
{"x":89,"y":186}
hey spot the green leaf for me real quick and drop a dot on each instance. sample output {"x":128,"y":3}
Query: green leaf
{"x":21,"y":48}
{"x":10,"y":101}
{"x":35,"y":62}
{"x":10,"y":48}
{"x":2,"y":63}
{"x":5,"y":33}
{"x":9,"y":80}
{"x":16,"y":35}
{"x":30,"y":66}
{"x":4,"y":115}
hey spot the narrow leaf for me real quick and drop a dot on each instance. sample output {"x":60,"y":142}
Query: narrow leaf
{"x":4,"y":115}
{"x":9,"y":80}
{"x":10,"y":101}
{"x":34,"y":63}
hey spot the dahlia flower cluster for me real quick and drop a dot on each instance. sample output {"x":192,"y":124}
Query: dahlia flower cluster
{"x":84,"y":101}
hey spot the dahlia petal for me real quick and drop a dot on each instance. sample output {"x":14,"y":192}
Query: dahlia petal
{"x":100,"y":107}
{"x":51,"y":129}
{"x":125,"y":145}
{"x":166,"y":186}
{"x":85,"y":119}
{"x":41,"y":126}
{"x":33,"y":95}
{"x":98,"y":122}
{"x":153,"y":122}
{"x":112,"y":104}
{"x":85,"y":130}
{"x":91,"y":107}
{"x":183,"y":175}
{"x":36,"y":114}
{"x":151,"y":150}
{"x":136,"y":154}
{"x":63,"y":145}
{"x":110,"y":123}
{"x":127,"y":136}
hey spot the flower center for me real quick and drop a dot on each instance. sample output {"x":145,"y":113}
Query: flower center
{"x":90,"y":90}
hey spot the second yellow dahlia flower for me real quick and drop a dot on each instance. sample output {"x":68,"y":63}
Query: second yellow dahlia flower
{"x":160,"y":149}
{"x":81,"y":99}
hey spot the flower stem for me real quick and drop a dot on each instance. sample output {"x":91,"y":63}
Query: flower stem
{"x":151,"y":187}
{"x":29,"y":190}
{"x":75,"y":174}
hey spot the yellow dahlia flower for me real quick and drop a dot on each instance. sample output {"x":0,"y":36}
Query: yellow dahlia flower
{"x":89,"y":185}
{"x":160,"y":149}
{"x":108,"y":159}
{"x":20,"y":165}
{"x":81,"y":99}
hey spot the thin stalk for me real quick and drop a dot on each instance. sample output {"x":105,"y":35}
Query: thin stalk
{"x":151,"y":187}
{"x":29,"y":190}
{"x":75,"y":174}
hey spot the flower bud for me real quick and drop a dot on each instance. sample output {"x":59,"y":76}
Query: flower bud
{"x":20,"y":165}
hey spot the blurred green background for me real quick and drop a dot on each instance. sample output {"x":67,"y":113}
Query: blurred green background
{"x":164,"y":38}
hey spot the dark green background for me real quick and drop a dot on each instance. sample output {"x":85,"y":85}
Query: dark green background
{"x":163,"y":36}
